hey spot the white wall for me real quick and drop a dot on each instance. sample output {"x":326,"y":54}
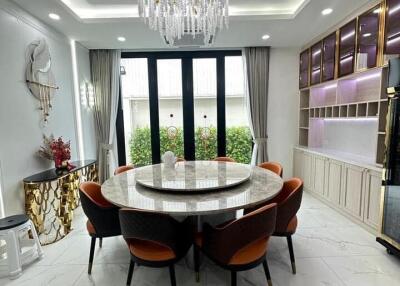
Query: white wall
{"x":20,"y":129}
{"x":88,"y":128}
{"x":283,"y":104}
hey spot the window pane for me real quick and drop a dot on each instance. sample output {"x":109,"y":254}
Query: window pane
{"x":238,"y":137}
{"x":135,"y":102}
{"x":169,"y":77}
{"x":205,"y":108}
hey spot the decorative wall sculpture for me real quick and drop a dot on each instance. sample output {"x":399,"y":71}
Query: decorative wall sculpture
{"x":39,"y":77}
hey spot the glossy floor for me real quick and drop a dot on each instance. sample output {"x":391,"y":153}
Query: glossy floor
{"x":330,"y":250}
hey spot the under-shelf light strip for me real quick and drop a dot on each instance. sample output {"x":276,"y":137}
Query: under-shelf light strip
{"x":351,"y":119}
{"x":78,"y":115}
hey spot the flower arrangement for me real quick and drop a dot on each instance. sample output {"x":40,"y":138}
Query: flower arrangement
{"x":56,"y":150}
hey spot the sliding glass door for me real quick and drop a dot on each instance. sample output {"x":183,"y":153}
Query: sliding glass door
{"x":190,"y":103}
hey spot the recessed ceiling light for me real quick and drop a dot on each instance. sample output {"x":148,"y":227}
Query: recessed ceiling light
{"x":54,"y":16}
{"x":265,"y":37}
{"x":327,"y":11}
{"x":366,"y":35}
{"x":121,"y":39}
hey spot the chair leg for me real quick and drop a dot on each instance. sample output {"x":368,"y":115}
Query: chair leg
{"x":100,"y":242}
{"x":267,"y":273}
{"x":13,"y":254}
{"x":91,"y":255}
{"x":291,"y":252}
{"x":233,"y":278}
{"x":172,"y":275}
{"x":36,"y":239}
{"x":196,"y":254}
{"x":130,"y":273}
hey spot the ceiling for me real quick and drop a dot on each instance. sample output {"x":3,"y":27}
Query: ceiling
{"x":97,"y":23}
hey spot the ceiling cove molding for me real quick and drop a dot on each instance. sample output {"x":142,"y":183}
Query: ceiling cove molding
{"x":21,"y":15}
{"x":235,"y":14}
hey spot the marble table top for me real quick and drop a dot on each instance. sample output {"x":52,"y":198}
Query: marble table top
{"x":124,"y":191}
{"x":193,"y":176}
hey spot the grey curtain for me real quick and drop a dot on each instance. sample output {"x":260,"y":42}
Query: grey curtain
{"x":256,"y":64}
{"x":105,"y":71}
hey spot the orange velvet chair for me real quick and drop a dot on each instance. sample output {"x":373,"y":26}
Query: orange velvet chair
{"x":289,"y":201}
{"x":273,"y":167}
{"x":102,"y":216}
{"x":224,"y":159}
{"x":240,"y":244}
{"x":123,"y":169}
{"x":154,"y":239}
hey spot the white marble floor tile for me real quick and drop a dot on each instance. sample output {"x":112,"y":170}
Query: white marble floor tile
{"x":46,"y":276}
{"x":366,"y":270}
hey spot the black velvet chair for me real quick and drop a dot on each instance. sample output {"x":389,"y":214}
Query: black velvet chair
{"x":239,"y":245}
{"x":102,"y":216}
{"x":155,"y":240}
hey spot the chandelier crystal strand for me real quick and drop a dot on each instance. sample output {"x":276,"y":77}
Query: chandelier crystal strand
{"x":175,"y":18}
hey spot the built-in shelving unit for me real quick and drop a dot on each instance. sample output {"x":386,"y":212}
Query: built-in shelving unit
{"x":357,"y":96}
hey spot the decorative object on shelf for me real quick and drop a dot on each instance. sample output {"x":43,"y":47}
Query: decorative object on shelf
{"x":57,"y":150}
{"x":39,"y":77}
{"x":51,"y":197}
{"x":175,"y":18}
{"x":87,"y":95}
{"x":169,"y":159}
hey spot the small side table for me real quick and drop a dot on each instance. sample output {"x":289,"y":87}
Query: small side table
{"x":51,"y":197}
{"x":10,"y":229}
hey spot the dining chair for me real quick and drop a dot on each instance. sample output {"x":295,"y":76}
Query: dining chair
{"x":288,"y":201}
{"x":123,"y":169}
{"x":240,"y":244}
{"x":102,"y":216}
{"x":224,"y":159}
{"x":273,"y":167}
{"x":155,"y":240}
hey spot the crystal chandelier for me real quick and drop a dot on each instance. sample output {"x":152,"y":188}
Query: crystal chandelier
{"x":174,"y":18}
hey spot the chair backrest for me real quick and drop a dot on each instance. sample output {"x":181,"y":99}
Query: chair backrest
{"x":224,"y":159}
{"x":289,"y":201}
{"x":273,"y":167}
{"x":101,"y":213}
{"x":123,"y":169}
{"x":154,"y":227}
{"x":222,"y":243}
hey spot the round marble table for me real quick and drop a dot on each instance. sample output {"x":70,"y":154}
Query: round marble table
{"x":124,"y":191}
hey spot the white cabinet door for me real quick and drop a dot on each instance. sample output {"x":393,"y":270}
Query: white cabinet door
{"x":373,"y":182}
{"x":298,"y":163}
{"x":307,"y":171}
{"x":353,"y":190}
{"x":334,"y":181}
{"x":319,"y":175}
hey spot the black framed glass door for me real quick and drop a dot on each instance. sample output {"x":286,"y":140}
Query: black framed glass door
{"x":186,"y":104}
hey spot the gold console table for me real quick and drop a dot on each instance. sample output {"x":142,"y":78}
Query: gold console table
{"x":51,"y":197}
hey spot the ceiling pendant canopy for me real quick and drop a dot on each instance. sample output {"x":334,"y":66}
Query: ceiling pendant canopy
{"x":175,"y":18}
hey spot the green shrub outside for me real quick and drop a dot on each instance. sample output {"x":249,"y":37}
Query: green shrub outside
{"x":238,"y":144}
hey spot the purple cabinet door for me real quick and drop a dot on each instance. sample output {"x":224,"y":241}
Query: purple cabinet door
{"x":304,"y":68}
{"x":316,"y":55}
{"x":392,"y":35}
{"x":368,"y":35}
{"x":347,"y":47}
{"x":329,"y":57}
